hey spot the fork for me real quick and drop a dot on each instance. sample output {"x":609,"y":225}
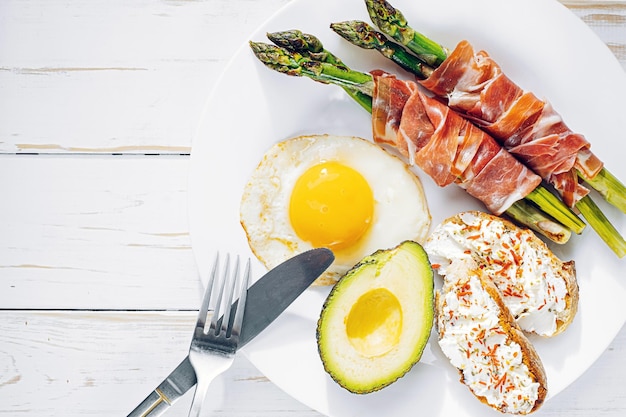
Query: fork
{"x":212,"y":350}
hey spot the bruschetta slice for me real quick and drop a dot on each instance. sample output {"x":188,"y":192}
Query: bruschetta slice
{"x":482,"y":340}
{"x":539,"y":289}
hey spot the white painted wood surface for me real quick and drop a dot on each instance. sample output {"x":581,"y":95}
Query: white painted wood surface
{"x":98,"y":287}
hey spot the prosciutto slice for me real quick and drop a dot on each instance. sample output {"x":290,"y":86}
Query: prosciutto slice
{"x":526,"y":126}
{"x":446,"y":146}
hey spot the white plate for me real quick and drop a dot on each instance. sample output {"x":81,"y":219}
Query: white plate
{"x":542,"y":46}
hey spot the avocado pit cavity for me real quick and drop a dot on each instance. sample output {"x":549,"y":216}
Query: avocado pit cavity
{"x":375,"y":323}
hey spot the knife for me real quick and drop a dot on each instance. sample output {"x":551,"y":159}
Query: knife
{"x":267,"y":299}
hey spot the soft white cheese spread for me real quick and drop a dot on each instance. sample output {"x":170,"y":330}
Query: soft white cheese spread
{"x":531,"y":287}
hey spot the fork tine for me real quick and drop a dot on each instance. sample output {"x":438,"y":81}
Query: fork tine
{"x":241,"y":304}
{"x":229,"y":297}
{"x":214,"y":326}
{"x":204,"y":307}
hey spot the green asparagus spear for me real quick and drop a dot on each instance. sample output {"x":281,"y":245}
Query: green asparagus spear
{"x":609,"y":187}
{"x":296,"y":40}
{"x":602,"y":225}
{"x":363,"y":35}
{"x":311,"y":47}
{"x":393,"y":23}
{"x":552,"y":205}
{"x":296,"y":64}
{"x":529,"y":215}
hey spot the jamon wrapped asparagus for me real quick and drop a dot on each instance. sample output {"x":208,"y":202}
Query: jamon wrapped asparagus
{"x":304,"y":63}
{"x":445,"y":146}
{"x":475,"y":85}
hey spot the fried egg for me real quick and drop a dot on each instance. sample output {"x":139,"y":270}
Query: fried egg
{"x":339,"y":192}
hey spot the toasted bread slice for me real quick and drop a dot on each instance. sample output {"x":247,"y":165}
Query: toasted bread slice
{"x":539,"y":289}
{"x":482,"y":340}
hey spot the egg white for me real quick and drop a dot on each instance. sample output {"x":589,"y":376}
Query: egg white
{"x":400,"y":207}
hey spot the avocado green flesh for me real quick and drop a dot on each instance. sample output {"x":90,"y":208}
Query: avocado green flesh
{"x":377,"y":319}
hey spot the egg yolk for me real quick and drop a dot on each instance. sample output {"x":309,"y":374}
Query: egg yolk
{"x":331,"y":206}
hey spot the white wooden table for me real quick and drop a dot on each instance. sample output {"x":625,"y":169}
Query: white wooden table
{"x":98,"y":286}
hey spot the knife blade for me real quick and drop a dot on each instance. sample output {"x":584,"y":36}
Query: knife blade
{"x":267,"y":299}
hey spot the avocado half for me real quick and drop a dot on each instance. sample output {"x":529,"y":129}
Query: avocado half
{"x":377,"y":319}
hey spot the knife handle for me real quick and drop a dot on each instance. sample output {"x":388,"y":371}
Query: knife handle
{"x":155,"y":404}
{"x":170,"y":390}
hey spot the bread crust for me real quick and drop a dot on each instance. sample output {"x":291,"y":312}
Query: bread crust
{"x":513,"y":332}
{"x":568,"y":273}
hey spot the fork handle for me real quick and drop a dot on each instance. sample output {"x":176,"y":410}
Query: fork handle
{"x":198,"y":397}
{"x":216,"y":366}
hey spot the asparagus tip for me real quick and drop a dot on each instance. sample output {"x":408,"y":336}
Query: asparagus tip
{"x":296,"y":40}
{"x":358,"y":33}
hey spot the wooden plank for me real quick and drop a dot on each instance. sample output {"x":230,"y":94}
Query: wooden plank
{"x":104,"y":363}
{"x":102,"y":232}
{"x":607,"y":19}
{"x":114,"y":76}
{"x":102,"y":110}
